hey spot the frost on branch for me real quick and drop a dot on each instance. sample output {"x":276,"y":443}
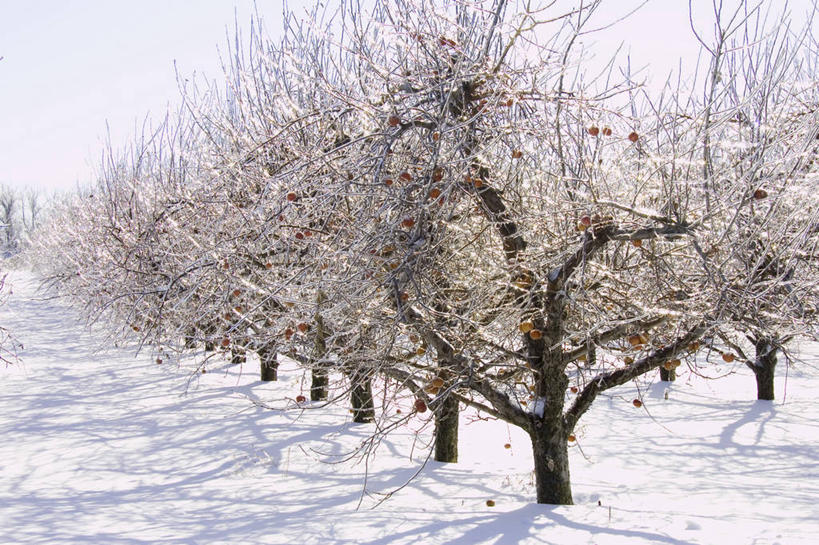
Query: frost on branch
{"x":436,"y":205}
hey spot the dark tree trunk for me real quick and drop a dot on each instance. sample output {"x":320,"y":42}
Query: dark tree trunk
{"x":551,"y":453}
{"x":238,"y":355}
{"x":668,"y":375}
{"x":320,"y":379}
{"x":446,"y":430}
{"x":763,"y":368}
{"x":268,"y":363}
{"x":361,"y":397}
{"x":208,"y":331}
{"x":319,"y":384}
{"x":547,"y":430}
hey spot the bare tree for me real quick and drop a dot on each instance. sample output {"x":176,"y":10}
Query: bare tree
{"x":473,"y":228}
{"x":9,"y":346}
{"x":765,"y":137}
{"x":9,"y":223}
{"x":31,"y":211}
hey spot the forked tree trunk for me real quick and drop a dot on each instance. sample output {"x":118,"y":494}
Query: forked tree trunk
{"x":268,"y":363}
{"x":361,"y":397}
{"x":551,"y":452}
{"x":446,"y":430}
{"x":764,"y":367}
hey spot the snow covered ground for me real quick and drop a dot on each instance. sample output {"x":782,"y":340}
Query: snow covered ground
{"x":104,"y":447}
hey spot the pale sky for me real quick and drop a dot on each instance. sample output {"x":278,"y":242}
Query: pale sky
{"x":70,"y":66}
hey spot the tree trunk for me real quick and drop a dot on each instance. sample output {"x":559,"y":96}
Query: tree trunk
{"x":320,"y":379}
{"x":763,"y":368}
{"x":190,"y":339}
{"x":268,"y":363}
{"x":208,"y":331}
{"x":319,"y":384}
{"x":668,"y":375}
{"x":551,"y":452}
{"x":238,"y":355}
{"x":361,"y":397}
{"x":446,"y":430}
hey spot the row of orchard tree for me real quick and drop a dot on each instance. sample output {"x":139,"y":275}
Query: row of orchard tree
{"x":21,"y":213}
{"x":435,"y":200}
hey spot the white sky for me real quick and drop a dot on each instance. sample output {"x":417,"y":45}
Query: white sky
{"x":71,"y":66}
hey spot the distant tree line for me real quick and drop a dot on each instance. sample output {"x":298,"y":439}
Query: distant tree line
{"x":21,"y":212}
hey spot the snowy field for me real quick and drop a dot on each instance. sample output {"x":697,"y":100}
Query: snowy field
{"x":102,"y":447}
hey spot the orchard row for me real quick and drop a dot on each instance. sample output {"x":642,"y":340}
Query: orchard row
{"x":434,"y":196}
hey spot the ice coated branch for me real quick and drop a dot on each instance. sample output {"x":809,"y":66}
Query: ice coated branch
{"x":605,"y":381}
